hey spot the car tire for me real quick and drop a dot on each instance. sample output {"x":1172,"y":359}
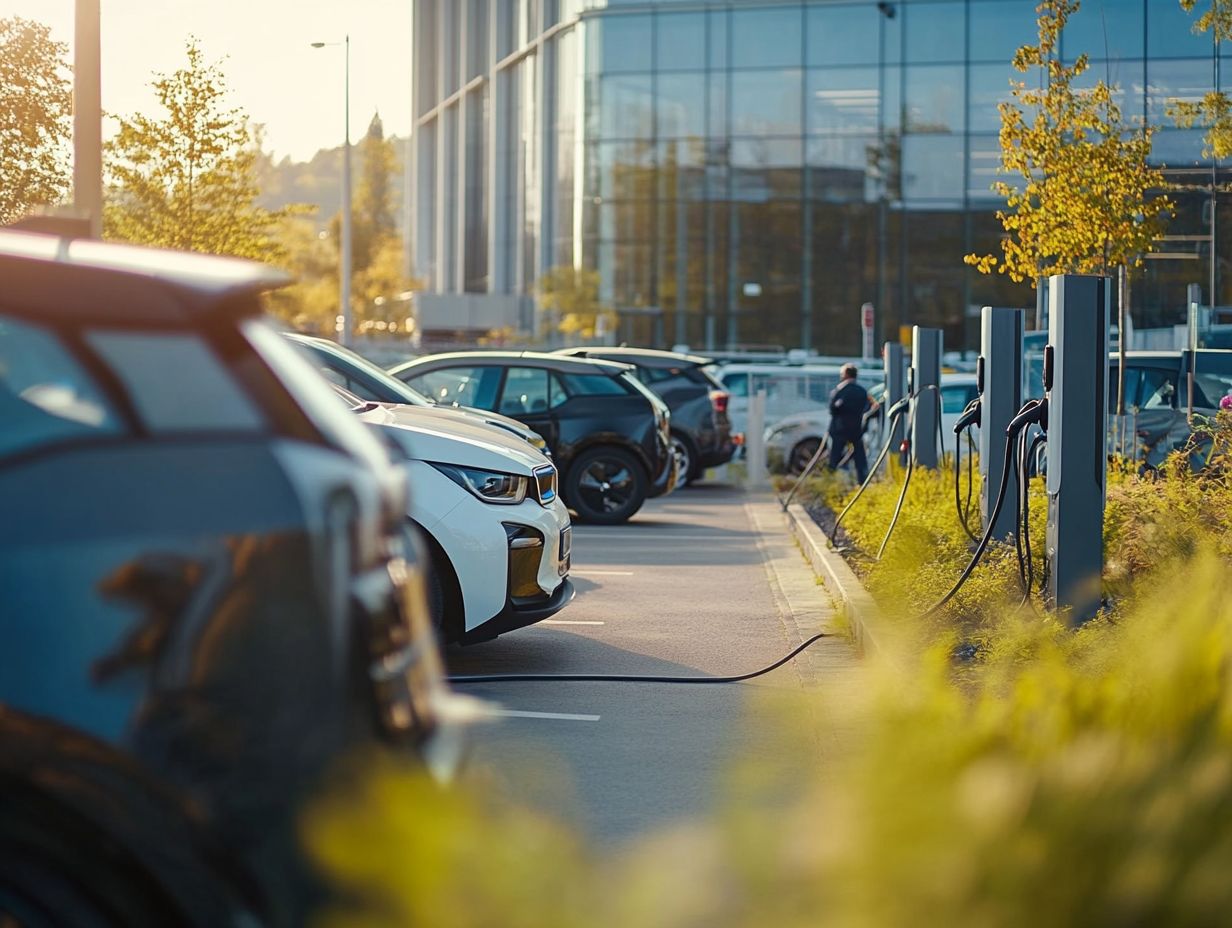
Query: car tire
{"x":801,"y":453}
{"x":686,"y":459}
{"x":444,"y":595}
{"x":606,"y":486}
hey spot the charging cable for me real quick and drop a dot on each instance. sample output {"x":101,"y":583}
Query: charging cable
{"x":633,"y":678}
{"x":971,"y":417}
{"x":1034,"y":412}
{"x":894,"y":413}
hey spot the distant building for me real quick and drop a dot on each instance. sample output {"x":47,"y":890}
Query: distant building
{"x":742,"y":171}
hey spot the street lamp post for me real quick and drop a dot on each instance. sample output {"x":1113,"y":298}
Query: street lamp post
{"x":345,"y":286}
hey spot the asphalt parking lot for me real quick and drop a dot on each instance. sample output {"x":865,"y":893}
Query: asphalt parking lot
{"x":705,"y":582}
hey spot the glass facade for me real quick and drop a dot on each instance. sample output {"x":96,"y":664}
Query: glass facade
{"x":751,"y":172}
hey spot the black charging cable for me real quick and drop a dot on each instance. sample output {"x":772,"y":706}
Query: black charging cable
{"x":634,"y":678}
{"x":902,"y":496}
{"x":1035,"y":411}
{"x":971,"y":417}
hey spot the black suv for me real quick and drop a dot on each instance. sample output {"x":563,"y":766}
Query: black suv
{"x":206,"y":592}
{"x":609,"y":436}
{"x":701,"y":431}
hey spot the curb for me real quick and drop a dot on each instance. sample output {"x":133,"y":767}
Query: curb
{"x":867,"y":622}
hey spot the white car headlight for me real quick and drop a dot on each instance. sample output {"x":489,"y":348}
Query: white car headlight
{"x":489,"y":485}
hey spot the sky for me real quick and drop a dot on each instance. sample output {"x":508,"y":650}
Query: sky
{"x":294,"y":90}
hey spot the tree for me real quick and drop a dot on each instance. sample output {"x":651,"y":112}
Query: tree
{"x":373,"y":222}
{"x":1084,"y":200}
{"x":35,"y":103}
{"x":187,"y":180}
{"x":1214,"y":111}
{"x":571,"y":296}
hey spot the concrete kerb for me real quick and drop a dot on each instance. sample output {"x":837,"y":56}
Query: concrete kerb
{"x":867,"y":622}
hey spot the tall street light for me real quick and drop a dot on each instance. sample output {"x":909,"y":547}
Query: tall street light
{"x":346,"y":191}
{"x":87,"y":117}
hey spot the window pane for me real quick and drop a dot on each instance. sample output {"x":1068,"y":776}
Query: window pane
{"x":460,"y":386}
{"x":683,"y":169}
{"x":1170,"y":32}
{"x":934,"y":99}
{"x":1178,"y":148}
{"x":1173,"y":81}
{"x":932,"y":167}
{"x":718,"y":105}
{"x":680,"y":41}
{"x":843,"y":100}
{"x":765,"y":169}
{"x":681,"y":104}
{"x":1127,"y":81}
{"x":45,"y":395}
{"x":625,"y":106}
{"x":766,"y":102}
{"x":935,"y":31}
{"x":621,"y":170}
{"x":618,"y":43}
{"x":1105,"y":29}
{"x":990,"y":86}
{"x":161,"y":371}
{"x":845,"y":34}
{"x":592,"y":385}
{"x":982,"y":173}
{"x":766,"y":37}
{"x":999,"y":27}
{"x":838,"y":168}
{"x":525,"y":391}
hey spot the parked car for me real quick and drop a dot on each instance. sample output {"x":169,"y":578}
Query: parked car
{"x":1157,"y":398}
{"x":701,"y":429}
{"x":488,"y":504}
{"x":793,"y":440}
{"x":609,"y":436}
{"x":790,"y":389}
{"x":358,"y":375}
{"x":208,"y":593}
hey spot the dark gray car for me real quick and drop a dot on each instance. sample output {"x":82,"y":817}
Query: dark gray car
{"x":701,"y":430}
{"x":206,"y":593}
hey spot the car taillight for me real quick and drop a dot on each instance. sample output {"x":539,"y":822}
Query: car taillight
{"x":719,"y":400}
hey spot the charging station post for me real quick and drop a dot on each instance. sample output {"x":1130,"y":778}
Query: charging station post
{"x":1000,"y":385}
{"x":896,"y":385}
{"x":1076,"y":383}
{"x":925,"y":374}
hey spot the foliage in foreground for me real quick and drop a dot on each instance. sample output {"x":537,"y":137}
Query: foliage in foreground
{"x":1072,"y":779}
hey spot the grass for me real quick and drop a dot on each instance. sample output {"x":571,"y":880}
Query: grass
{"x":1063,"y":779}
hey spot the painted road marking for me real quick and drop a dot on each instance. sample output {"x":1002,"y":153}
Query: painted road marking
{"x":586,"y":571}
{"x":660,"y":536}
{"x":569,"y":622}
{"x":559,"y":716}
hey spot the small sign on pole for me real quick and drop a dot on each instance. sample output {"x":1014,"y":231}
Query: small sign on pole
{"x":866,"y":329}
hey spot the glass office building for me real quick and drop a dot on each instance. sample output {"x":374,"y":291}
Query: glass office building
{"x":746,"y":172}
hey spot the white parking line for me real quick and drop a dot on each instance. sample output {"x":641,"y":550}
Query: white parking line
{"x":569,"y":622}
{"x":587,"y":572}
{"x":655,"y":536}
{"x":559,"y":716}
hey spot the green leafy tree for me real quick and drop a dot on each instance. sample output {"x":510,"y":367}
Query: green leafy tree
{"x":1214,"y":111}
{"x":187,"y":179}
{"x":1083,"y":200}
{"x":570,"y":295}
{"x":373,"y":224}
{"x":35,"y":102}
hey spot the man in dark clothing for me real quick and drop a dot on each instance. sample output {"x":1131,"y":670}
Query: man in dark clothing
{"x":848,"y":403}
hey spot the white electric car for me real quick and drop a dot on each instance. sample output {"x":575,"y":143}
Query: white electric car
{"x":489,"y":507}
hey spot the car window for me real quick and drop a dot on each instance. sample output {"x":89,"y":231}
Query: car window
{"x":46,"y":395}
{"x":529,"y":390}
{"x":1210,"y":388}
{"x":956,"y":396}
{"x":1157,"y":388}
{"x":460,"y":386}
{"x":592,"y":385}
{"x":361,"y":376}
{"x":736,"y":384}
{"x":176,"y":382}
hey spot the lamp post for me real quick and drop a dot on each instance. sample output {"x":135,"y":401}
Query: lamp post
{"x":87,"y":117}
{"x":345,"y":286}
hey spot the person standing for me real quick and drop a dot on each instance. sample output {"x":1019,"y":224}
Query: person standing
{"x":848,"y":404}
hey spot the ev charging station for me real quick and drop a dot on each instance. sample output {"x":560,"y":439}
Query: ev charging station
{"x":1076,"y":384}
{"x":925,"y":374}
{"x":1000,"y":385}
{"x":895,"y":381}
